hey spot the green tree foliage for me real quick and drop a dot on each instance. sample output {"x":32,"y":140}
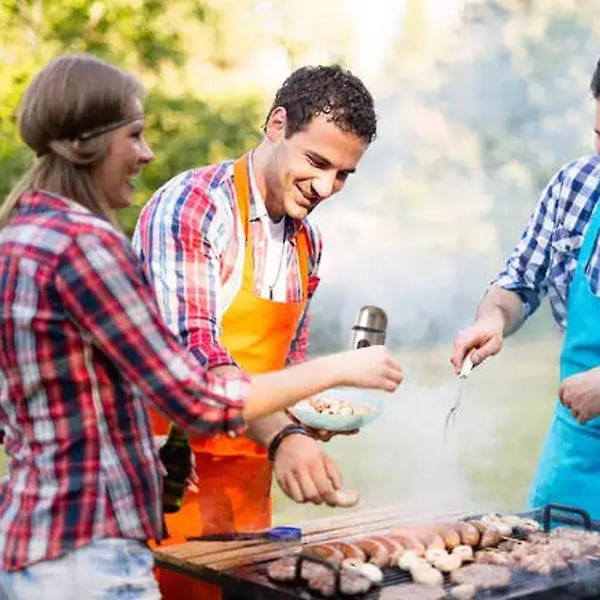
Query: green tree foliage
{"x":149,"y":37}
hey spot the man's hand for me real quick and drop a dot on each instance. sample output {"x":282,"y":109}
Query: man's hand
{"x":483,"y":339}
{"x":304,"y":472}
{"x":581,"y":395}
{"x":322,"y":435}
{"x":499,"y":314}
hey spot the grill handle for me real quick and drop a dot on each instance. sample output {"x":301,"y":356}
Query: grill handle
{"x":547,"y":515}
{"x":321,"y":561}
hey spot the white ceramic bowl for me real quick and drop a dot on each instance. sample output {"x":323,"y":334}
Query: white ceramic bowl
{"x":307,"y":415}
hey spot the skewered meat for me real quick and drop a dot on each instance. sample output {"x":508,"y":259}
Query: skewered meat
{"x":284,"y":569}
{"x":319,"y":577}
{"x":543,"y":564}
{"x":351,"y":582}
{"x":482,"y":576}
{"x":543,"y":553}
{"x":411,"y":591}
{"x":484,"y":557}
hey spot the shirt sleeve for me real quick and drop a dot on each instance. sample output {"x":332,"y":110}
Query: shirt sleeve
{"x":103,"y":291}
{"x":526,"y":270}
{"x":299,"y":345}
{"x":177,"y":240}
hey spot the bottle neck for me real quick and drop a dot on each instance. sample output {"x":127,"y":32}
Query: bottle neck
{"x":176,"y":434}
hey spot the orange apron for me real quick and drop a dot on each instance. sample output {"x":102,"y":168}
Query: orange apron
{"x":235,"y":474}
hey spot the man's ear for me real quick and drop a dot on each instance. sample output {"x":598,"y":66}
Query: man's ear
{"x":276,"y":125}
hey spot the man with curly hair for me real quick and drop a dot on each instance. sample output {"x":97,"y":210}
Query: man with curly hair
{"x":234,"y":263}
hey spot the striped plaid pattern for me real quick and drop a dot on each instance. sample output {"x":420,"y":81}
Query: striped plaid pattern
{"x":81,"y":344}
{"x":544,"y":260}
{"x":190,"y":240}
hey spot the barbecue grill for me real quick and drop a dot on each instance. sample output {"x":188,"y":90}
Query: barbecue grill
{"x":240,"y":567}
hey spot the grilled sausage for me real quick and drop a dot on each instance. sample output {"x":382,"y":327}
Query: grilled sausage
{"x":490,"y":536}
{"x":469,"y":534}
{"x":394,"y":547}
{"x":326,"y":551}
{"x":450,"y":536}
{"x":376,"y":552}
{"x":410,"y":540}
{"x":349,"y":550}
{"x":430,"y":538}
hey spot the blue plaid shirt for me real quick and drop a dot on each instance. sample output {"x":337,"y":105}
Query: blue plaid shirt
{"x":543,"y":262}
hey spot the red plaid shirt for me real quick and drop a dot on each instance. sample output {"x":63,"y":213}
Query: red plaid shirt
{"x":191,"y":242}
{"x":81,"y":344}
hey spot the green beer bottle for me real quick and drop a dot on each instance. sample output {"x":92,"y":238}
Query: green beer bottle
{"x":175,"y":456}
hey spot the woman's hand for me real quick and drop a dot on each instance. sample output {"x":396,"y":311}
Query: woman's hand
{"x":373,"y":367}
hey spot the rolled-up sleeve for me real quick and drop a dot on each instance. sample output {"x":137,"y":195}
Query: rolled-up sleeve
{"x":103,"y":291}
{"x":526,"y":270}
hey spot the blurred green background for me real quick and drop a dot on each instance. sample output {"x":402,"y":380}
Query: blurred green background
{"x":478,"y":101}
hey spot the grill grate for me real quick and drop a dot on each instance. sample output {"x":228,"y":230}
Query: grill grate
{"x":581,"y":580}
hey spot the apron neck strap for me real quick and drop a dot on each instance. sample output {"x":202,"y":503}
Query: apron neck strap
{"x":589,"y":240}
{"x":241,"y":182}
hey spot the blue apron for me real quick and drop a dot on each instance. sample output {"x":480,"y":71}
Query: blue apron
{"x":569,"y":468}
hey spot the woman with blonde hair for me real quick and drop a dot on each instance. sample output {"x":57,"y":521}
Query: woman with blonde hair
{"x":82,"y":347}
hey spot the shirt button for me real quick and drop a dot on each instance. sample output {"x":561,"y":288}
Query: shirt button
{"x":232,"y":434}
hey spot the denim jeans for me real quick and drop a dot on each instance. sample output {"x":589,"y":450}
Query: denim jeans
{"x":105,"y":569}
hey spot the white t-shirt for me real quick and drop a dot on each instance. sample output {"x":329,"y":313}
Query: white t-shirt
{"x":274,"y":281}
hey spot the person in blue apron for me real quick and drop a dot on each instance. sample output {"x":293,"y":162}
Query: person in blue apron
{"x":558,"y":255}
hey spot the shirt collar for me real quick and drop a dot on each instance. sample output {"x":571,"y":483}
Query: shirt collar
{"x":258,"y":209}
{"x":35,"y":198}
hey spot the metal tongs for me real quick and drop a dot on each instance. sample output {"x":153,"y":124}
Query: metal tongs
{"x":462,"y":376}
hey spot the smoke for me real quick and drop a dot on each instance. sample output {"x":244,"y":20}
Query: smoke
{"x":464,"y":150}
{"x":437,"y":204}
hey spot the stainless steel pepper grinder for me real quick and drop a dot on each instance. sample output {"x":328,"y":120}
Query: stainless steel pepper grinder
{"x":369,"y":327}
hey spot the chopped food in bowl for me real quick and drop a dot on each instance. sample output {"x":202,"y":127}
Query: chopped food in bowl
{"x":340,"y":409}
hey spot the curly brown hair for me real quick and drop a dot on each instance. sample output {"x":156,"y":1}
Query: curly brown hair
{"x":331,"y":91}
